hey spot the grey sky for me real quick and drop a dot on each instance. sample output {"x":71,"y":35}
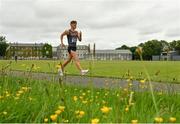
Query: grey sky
{"x":108,"y":23}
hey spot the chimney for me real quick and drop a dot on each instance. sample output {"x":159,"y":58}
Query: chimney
{"x":94,"y":50}
{"x":89,"y":49}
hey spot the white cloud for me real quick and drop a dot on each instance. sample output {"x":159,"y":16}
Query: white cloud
{"x":108,"y":23}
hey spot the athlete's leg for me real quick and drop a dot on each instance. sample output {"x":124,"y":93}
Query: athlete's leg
{"x":67,"y":61}
{"x":76,"y":60}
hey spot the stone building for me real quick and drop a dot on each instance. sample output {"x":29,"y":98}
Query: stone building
{"x":110,"y":55}
{"x":170,"y":55}
{"x":24,"y":50}
{"x":82,"y":51}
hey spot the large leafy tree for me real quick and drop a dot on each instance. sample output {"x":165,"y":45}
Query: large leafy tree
{"x":47,"y":51}
{"x":175,"y":45}
{"x":135,"y":55}
{"x":3,"y":46}
{"x":152,"y":47}
{"x":122,"y":47}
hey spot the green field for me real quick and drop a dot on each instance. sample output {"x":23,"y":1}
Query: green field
{"x":160,"y":71}
{"x":33,"y":101}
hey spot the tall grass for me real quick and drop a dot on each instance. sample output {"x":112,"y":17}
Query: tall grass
{"x":26,"y":100}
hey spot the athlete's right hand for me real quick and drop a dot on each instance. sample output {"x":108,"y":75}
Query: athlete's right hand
{"x":62,"y":45}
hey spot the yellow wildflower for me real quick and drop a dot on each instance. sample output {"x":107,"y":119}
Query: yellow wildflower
{"x":75,"y":98}
{"x":79,"y":114}
{"x":58,"y":66}
{"x":53,"y":117}
{"x":134,"y":121}
{"x":172,"y":119}
{"x":45,"y":120}
{"x":58,"y":112}
{"x":158,"y":120}
{"x":126,"y":109}
{"x":142,"y":81}
{"x":84,"y":102}
{"x":105,"y":109}
{"x":7,"y":95}
{"x":24,"y":88}
{"x":20,"y":91}
{"x":17,"y":94}
{"x":95,"y":121}
{"x":5,"y":113}
{"x":1,"y":97}
{"x":81,"y":97}
{"x":61,"y":108}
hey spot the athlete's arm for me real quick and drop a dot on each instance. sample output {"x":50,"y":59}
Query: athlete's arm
{"x":61,"y":37}
{"x":80,"y":36}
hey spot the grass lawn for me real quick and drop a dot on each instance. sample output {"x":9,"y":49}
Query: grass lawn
{"x":161,"y":71}
{"x":26,"y":100}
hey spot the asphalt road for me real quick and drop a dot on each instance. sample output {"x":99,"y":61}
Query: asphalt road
{"x":99,"y":82}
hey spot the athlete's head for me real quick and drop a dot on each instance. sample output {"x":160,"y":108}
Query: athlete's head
{"x":73,"y":24}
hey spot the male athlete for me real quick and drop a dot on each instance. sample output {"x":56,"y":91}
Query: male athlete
{"x":72,"y":37}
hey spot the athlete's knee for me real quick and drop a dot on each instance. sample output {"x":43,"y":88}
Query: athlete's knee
{"x":74,"y":58}
{"x":69,"y":60}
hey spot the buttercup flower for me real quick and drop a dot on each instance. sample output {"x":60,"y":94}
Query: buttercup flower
{"x":75,"y":98}
{"x":105,"y":109}
{"x":53,"y":117}
{"x":61,"y":108}
{"x":58,"y":112}
{"x":134,"y":121}
{"x":45,"y":120}
{"x":158,"y":120}
{"x":95,"y":121}
{"x":172,"y":119}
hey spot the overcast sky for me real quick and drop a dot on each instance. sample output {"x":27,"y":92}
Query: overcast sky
{"x":108,"y":23}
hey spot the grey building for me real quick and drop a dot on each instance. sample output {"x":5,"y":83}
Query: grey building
{"x":82,"y":51}
{"x":170,"y":55}
{"x":111,"y":55}
{"x":24,"y":50}
{"x":54,"y":52}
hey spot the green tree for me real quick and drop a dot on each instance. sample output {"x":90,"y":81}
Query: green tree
{"x":3,"y":46}
{"x":152,"y":47}
{"x":47,"y":51}
{"x":135,"y":56}
{"x":175,"y":45}
{"x":124,"y":47}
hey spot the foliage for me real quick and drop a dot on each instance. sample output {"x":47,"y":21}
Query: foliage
{"x":3,"y":46}
{"x":47,"y":51}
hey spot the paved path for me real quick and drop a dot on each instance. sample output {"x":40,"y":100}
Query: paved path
{"x":99,"y":82}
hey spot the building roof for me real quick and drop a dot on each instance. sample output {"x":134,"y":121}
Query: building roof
{"x":26,"y":44}
{"x":114,"y":51}
{"x":54,"y":49}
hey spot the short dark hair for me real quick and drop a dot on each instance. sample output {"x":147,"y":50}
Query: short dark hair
{"x":73,"y":22}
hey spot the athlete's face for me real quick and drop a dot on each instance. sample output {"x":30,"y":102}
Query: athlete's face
{"x":73,"y":26}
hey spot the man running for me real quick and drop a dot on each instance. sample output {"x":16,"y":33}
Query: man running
{"x":72,"y":36}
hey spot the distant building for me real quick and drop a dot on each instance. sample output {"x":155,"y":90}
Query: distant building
{"x":170,"y":55}
{"x":24,"y":50}
{"x":82,"y":51}
{"x":54,"y":52}
{"x":111,"y":55}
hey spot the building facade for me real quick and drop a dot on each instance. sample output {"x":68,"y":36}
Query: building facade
{"x":82,"y":51}
{"x":170,"y":55}
{"x":110,"y":55}
{"x":24,"y":50}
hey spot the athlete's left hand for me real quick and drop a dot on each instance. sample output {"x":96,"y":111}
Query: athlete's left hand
{"x":80,"y":35}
